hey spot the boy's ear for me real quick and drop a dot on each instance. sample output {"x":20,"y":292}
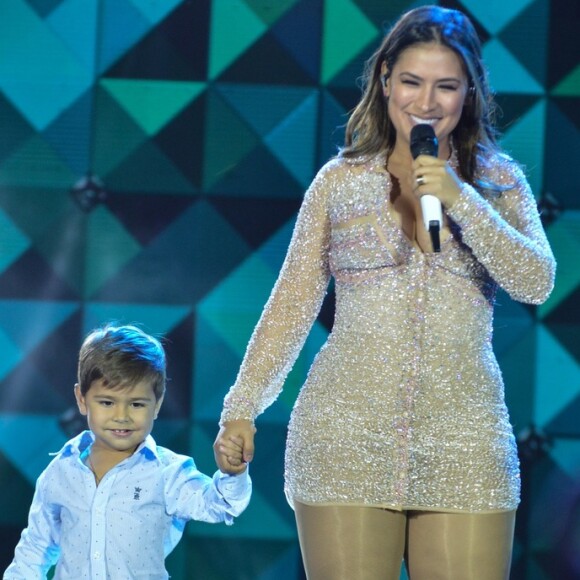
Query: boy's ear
{"x":81,"y":403}
{"x":158,"y":407}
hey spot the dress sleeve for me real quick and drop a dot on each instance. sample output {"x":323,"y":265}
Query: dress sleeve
{"x":289,"y":313}
{"x":37,"y":549}
{"x":507,"y":237}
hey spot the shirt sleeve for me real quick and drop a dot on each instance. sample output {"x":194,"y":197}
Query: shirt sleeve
{"x":192,"y":495}
{"x":37,"y":551}
{"x":507,"y":237}
{"x":289,"y":312}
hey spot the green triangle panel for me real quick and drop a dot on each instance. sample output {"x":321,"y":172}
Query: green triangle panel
{"x":554,"y":391}
{"x":288,"y":565}
{"x":210,"y":557}
{"x":566,"y":312}
{"x":183,"y":140}
{"x":279,"y":65}
{"x":262,"y":107}
{"x":28,"y":322}
{"x":39,"y":62}
{"x":234,"y":27}
{"x":564,"y":237}
{"x":15,"y":499}
{"x":42,"y":382}
{"x":179,"y":344}
{"x":565,"y":423}
{"x":13,"y":242}
{"x":224,"y":126}
{"x":332,"y":119}
{"x":155,"y":11}
{"x":567,"y":456}
{"x":270,"y":13}
{"x":569,"y":86}
{"x":211,"y":381}
{"x":563,"y":45}
{"x":532,"y":22}
{"x":12,"y":355}
{"x":156,"y":319}
{"x":294,"y":140}
{"x":122,"y":27}
{"x":265,"y":219}
{"x":116,"y":134}
{"x":233,"y":314}
{"x":496,"y":14}
{"x":16,"y":129}
{"x":566,"y":333}
{"x":109,"y":248}
{"x":182,"y":264}
{"x":152,"y":103}
{"x":303,"y":43}
{"x":260,"y":174}
{"x":31,"y":277}
{"x":69,"y":134}
{"x":563,"y":134}
{"x":30,"y":454}
{"x":148,"y":169}
{"x":525,"y":142}
{"x":347,"y":31}
{"x":149,"y":215}
{"x":76,"y":24}
{"x":507,"y":74}
{"x":34,"y":164}
{"x":60,"y":247}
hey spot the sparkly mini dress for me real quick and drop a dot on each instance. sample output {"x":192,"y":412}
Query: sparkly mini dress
{"x":403,"y":407}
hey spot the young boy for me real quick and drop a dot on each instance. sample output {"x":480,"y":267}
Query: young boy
{"x":112,"y":504}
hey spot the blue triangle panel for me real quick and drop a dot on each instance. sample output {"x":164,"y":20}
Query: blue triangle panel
{"x":302,"y":41}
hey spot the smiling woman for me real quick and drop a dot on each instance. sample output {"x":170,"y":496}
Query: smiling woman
{"x":400,"y":444}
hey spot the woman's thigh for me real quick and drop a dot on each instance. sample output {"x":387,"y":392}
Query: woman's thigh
{"x":453,"y":546}
{"x":350,"y":542}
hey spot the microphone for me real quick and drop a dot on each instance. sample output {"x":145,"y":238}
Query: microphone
{"x":424,"y":142}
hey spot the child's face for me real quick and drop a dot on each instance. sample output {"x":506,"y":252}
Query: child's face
{"x":120,"y":418}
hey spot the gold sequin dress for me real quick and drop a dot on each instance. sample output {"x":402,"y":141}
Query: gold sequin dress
{"x":404,"y":405}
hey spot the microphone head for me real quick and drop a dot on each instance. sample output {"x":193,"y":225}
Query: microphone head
{"x":423,"y":141}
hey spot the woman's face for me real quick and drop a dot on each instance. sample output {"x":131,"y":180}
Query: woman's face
{"x":428,"y":84}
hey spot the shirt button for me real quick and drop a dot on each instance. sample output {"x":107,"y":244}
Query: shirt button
{"x":97,"y":556}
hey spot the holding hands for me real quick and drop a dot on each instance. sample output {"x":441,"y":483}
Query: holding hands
{"x":234,"y":446}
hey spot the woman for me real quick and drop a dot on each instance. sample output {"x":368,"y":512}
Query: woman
{"x":399,"y":443}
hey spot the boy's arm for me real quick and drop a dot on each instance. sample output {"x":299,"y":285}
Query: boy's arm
{"x":37,"y":549}
{"x":192,"y":495}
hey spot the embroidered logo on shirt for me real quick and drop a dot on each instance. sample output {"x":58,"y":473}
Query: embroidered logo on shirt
{"x":137,"y":492}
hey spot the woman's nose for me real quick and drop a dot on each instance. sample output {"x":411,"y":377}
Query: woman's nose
{"x":426,"y":98}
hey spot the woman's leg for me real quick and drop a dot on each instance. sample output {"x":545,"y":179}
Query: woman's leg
{"x":350,"y":542}
{"x":453,"y":546}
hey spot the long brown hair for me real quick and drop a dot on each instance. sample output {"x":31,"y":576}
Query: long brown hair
{"x":370,"y":131}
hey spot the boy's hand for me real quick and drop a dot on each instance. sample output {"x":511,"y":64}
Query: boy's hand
{"x":234,"y":446}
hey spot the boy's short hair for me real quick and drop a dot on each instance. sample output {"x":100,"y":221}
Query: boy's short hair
{"x":122,"y":356}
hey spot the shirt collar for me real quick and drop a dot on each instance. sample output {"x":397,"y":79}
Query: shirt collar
{"x":79,"y":445}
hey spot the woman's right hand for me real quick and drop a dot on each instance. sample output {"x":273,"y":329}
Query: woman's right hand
{"x":234,"y":446}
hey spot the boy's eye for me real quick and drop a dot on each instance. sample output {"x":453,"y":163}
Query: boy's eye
{"x":138,"y":405}
{"x":105,"y":403}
